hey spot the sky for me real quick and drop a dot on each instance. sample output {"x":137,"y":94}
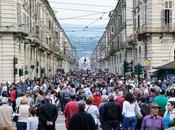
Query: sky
{"x":84,"y":21}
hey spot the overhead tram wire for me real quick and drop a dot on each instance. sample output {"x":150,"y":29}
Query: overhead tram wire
{"x":80,"y":4}
{"x":94,"y":21}
{"x":80,"y":16}
{"x":81,"y":10}
{"x":83,"y":19}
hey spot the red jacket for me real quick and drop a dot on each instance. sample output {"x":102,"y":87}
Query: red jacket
{"x":70,"y":108}
{"x":12,"y":95}
{"x":97,"y":99}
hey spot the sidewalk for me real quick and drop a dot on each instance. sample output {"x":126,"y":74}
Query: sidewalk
{"x":172,"y":128}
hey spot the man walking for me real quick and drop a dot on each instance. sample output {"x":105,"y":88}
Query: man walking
{"x":111,"y":115}
{"x":82,"y":120}
{"x":5,"y":115}
{"x":48,"y":114}
{"x":70,"y":108}
{"x":153,"y":121}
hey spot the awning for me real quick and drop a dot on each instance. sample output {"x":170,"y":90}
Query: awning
{"x":169,"y":66}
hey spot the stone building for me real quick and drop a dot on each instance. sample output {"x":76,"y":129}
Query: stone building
{"x":141,"y":31}
{"x":30,"y":40}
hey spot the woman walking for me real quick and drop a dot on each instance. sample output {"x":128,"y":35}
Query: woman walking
{"x":129,"y":120}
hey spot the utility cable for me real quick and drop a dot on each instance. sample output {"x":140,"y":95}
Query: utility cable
{"x":94,"y":21}
{"x":80,"y":4}
{"x":82,"y":15}
{"x":79,"y":10}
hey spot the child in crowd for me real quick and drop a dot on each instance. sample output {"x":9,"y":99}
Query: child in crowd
{"x":32,"y":123}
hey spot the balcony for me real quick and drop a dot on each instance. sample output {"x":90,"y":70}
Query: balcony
{"x":113,"y":49}
{"x":60,"y":56}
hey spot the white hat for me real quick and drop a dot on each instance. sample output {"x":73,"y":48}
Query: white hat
{"x":4,"y":100}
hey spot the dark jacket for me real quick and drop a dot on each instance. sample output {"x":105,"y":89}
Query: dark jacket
{"x":82,"y":121}
{"x":112,"y":112}
{"x":47,"y":112}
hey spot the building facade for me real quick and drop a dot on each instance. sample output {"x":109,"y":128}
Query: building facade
{"x":30,"y":40}
{"x":141,"y":31}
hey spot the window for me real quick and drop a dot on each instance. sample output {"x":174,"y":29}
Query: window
{"x":167,"y":15}
{"x":37,"y":30}
{"x":0,"y":11}
{"x":170,"y":4}
{"x":31,"y":54}
{"x":18,"y":13}
{"x":138,"y":24}
{"x":166,"y":4}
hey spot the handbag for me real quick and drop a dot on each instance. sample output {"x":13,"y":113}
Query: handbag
{"x":15,"y":118}
{"x":137,"y":111}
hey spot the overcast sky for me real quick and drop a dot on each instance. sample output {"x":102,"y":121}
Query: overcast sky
{"x":84,"y":21}
{"x":76,"y":11}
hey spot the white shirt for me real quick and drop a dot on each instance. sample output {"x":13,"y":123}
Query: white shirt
{"x":18,"y":100}
{"x":88,"y":92}
{"x":93,"y":110}
{"x":53,"y":99}
{"x":5,"y":115}
{"x":4,"y":88}
{"x":128,"y":109}
{"x":45,"y":87}
{"x":32,"y":123}
{"x":23,"y":113}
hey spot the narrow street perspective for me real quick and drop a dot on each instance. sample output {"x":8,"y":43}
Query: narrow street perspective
{"x":87,"y":65}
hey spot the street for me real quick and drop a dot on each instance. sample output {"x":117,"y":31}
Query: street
{"x":60,"y":125}
{"x":98,"y":61}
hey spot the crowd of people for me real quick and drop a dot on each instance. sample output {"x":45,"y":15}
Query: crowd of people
{"x":89,"y":100}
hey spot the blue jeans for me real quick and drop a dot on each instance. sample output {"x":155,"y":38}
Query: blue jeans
{"x":21,"y":125}
{"x":129,"y":122}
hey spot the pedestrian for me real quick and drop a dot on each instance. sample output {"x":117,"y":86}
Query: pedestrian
{"x":93,"y":110}
{"x":53,"y":97}
{"x":161,"y":100}
{"x":82,"y":120}
{"x":101,"y":109}
{"x":30,"y":100}
{"x":65,"y":96}
{"x":47,"y":114}
{"x":18,"y":99}
{"x":144,"y":108}
{"x":39,"y":98}
{"x":97,"y":97}
{"x":13,"y":97}
{"x":70,"y":108}
{"x":23,"y":111}
{"x":81,"y":95}
{"x":32,"y":122}
{"x":129,"y":119}
{"x":111,"y":114}
{"x":5,"y":115}
{"x":169,"y":116}
{"x":153,"y":121}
